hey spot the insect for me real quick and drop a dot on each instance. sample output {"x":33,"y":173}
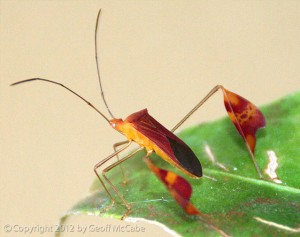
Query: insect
{"x":141,"y":128}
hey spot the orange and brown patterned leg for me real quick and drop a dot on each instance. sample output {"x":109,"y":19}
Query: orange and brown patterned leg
{"x":181,"y":191}
{"x":245,"y":116}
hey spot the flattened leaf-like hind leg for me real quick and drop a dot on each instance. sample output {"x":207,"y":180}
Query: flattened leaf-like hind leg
{"x":247,"y":119}
{"x":245,"y":116}
{"x":181,"y":191}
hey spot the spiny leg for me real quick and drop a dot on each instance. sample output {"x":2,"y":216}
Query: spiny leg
{"x":113,"y":187}
{"x":104,"y":161}
{"x":245,"y":116}
{"x":115,"y":149}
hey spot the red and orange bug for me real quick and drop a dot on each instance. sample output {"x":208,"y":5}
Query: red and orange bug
{"x":150,"y":135}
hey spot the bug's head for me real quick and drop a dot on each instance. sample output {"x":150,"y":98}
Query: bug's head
{"x":116,"y":124}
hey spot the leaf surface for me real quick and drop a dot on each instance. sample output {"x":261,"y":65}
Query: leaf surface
{"x":231,"y":194}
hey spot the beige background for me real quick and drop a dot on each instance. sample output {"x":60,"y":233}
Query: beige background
{"x":163,"y":55}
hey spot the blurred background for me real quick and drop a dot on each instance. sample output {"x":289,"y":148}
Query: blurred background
{"x":160,"y":55}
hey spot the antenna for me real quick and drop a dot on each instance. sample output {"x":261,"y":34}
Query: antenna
{"x":97,"y":64}
{"x":57,"y":83}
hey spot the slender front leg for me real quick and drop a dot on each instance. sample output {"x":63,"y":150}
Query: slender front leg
{"x":110,"y":183}
{"x":115,"y":149}
{"x":104,"y":161}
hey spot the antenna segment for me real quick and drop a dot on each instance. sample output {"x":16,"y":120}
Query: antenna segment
{"x":73,"y":92}
{"x":57,"y":83}
{"x":97,"y":64}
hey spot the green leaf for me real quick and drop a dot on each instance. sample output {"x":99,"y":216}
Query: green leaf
{"x":231,"y":194}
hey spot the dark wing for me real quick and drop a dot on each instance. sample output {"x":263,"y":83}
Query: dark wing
{"x":169,"y":143}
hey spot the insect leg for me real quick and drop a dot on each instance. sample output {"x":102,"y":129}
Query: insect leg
{"x":245,"y":116}
{"x":115,"y":149}
{"x":181,"y":190}
{"x":104,"y":161}
{"x":213,"y":91}
{"x":110,"y":183}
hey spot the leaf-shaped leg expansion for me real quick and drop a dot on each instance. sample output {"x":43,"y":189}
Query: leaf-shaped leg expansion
{"x":181,"y":191}
{"x":245,"y":116}
{"x":247,"y":119}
